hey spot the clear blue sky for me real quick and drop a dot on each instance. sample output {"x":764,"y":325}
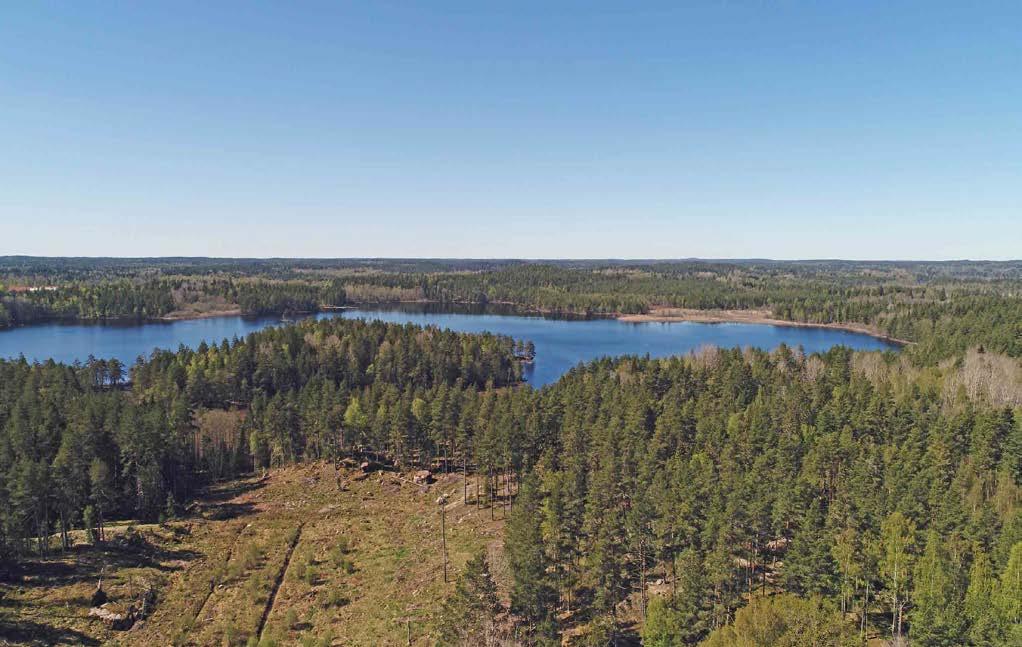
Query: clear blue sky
{"x":721,"y":129}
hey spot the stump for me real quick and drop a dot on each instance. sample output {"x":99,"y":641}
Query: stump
{"x":99,"y":596}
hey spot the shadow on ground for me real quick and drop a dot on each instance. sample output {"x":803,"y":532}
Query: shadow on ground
{"x":216,"y":494}
{"x":27,"y":632}
{"x":84,"y":563}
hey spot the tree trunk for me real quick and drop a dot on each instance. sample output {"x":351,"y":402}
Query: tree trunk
{"x":642,"y":579}
{"x":64,"y":543}
{"x":507,"y":490}
{"x":894,"y":620}
{"x":443,"y":536}
{"x":900,"y":618}
{"x":674,"y":574}
{"x":865,"y":611}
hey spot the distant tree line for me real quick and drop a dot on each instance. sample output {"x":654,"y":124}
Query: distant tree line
{"x":944,"y":315}
{"x":155,"y":298}
{"x":113,"y":299}
{"x":944,"y":307}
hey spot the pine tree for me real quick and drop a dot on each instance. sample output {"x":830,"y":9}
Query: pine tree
{"x":560,"y":528}
{"x":102,"y":495}
{"x":607,"y":568}
{"x":1011,"y":459}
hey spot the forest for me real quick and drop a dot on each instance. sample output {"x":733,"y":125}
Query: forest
{"x":868,"y":488}
{"x":76,"y":447}
{"x":724,"y":497}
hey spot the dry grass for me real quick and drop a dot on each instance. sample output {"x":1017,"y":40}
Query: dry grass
{"x":366,"y":568}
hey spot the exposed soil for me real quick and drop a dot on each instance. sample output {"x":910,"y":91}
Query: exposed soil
{"x":667,"y":315}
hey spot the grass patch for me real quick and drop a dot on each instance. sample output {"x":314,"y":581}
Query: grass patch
{"x":367,"y":564}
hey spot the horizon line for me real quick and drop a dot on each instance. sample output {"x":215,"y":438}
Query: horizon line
{"x":620,"y":259}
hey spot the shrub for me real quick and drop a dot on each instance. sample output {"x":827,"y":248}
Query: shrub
{"x":311,"y":575}
{"x":298,"y":570}
{"x":333,"y":598}
{"x":343,"y":545}
{"x":230,"y":635}
{"x":251,"y":557}
{"x":783,"y":620}
{"x":339,"y":555}
{"x":664,"y":626}
{"x":89,"y":519}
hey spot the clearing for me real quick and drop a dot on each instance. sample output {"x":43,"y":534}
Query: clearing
{"x":309,"y":554}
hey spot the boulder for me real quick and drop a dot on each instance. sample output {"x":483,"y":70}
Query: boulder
{"x":114,"y":617}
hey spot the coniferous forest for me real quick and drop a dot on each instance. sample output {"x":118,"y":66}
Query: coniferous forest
{"x":945,"y":307}
{"x":732,"y":497}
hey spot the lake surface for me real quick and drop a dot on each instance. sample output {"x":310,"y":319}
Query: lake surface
{"x":560,"y":343}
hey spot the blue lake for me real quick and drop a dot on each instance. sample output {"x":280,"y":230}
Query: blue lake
{"x":560,"y":343}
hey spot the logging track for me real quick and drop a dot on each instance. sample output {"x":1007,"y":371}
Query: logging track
{"x":227,"y":560}
{"x":272,"y":600}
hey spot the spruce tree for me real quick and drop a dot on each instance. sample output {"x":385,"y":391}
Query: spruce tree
{"x":532,"y":594}
{"x":467,"y":616}
{"x":809,"y":566}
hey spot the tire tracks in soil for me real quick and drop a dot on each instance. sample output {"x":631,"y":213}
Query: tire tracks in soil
{"x":272,"y":600}
{"x":227,"y":560}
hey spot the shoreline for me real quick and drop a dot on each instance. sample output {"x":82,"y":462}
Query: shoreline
{"x":655,"y":315}
{"x":187,"y":316}
{"x":758,"y":317}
